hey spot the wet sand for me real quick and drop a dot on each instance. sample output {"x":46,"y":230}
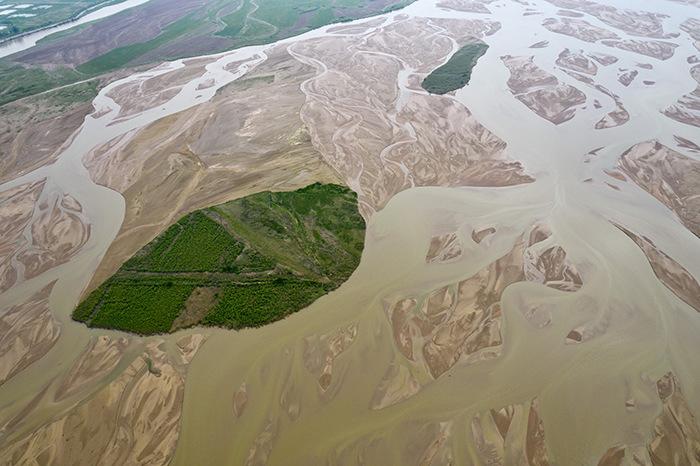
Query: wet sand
{"x":504,"y":310}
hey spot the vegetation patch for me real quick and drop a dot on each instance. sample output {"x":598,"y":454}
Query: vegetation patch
{"x":70,"y":95}
{"x":244,"y":263}
{"x":258,"y":304}
{"x":120,"y":57}
{"x":264,"y":21}
{"x":19,"y":81}
{"x":456,"y":73}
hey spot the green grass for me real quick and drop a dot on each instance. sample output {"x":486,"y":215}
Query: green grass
{"x":455,"y":74}
{"x":18,"y":81}
{"x":322,"y":17}
{"x":256,"y":305}
{"x":283,"y":13}
{"x":120,"y":57}
{"x":271,"y":254}
{"x":194,"y":244}
{"x":287,"y":18}
{"x":397,"y":6}
{"x":140,"y":308}
{"x":236,"y":20}
{"x":85,"y":309}
{"x":291,"y":229}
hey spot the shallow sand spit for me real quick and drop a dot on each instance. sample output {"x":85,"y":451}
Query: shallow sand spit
{"x":669,"y":176}
{"x":29,"y":331}
{"x":636,"y":23}
{"x":143,"y":402}
{"x":528,"y":293}
{"x":670,"y":272}
{"x":463,"y":321}
{"x":541,"y":91}
{"x":513,"y":434}
{"x":41,"y":230}
{"x":687,"y":108}
{"x":578,"y":28}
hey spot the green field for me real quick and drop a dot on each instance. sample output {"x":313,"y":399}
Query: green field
{"x":253,"y":306}
{"x":261,"y":257}
{"x":455,"y":74}
{"x":273,"y":20}
{"x":264,"y":21}
{"x":121,"y":56}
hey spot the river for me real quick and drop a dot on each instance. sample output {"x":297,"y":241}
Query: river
{"x":645,"y":329}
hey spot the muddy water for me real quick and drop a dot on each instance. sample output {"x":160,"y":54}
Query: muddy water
{"x":644,"y":330}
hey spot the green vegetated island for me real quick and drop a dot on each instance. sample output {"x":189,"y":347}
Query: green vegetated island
{"x":456,"y":73}
{"x":244,"y":263}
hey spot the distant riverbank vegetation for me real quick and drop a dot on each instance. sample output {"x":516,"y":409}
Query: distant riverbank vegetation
{"x":19,"y":18}
{"x":244,"y":263}
{"x":160,"y":30}
{"x":456,"y":73}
